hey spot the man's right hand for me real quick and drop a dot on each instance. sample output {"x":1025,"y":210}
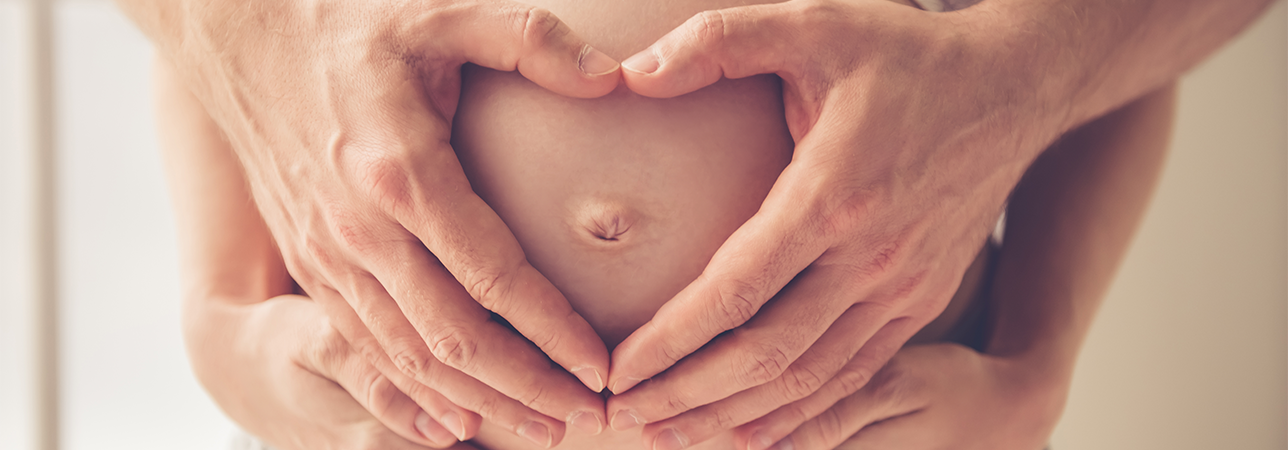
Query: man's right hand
{"x":340,"y":113}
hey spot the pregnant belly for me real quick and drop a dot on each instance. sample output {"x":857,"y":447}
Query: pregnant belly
{"x":622,"y":200}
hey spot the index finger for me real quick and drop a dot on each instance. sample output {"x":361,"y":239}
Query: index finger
{"x":757,"y":261}
{"x":400,"y":158}
{"x":457,"y":226}
{"x":726,"y":43}
{"x":506,"y":36}
{"x":483,"y":255}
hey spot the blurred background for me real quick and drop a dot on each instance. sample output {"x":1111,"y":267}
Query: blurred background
{"x":1190,"y":350}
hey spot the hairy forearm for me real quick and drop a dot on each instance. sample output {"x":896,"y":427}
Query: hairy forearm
{"x":1093,"y":56}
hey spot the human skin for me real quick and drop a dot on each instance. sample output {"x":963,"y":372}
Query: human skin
{"x":671,"y":196}
{"x":339,"y":113}
{"x":270,"y":359}
{"x":286,"y":81}
{"x":911,"y":130}
{"x":1172,"y":55}
{"x":510,"y":94}
{"x":1065,"y":234}
{"x":1068,"y":227}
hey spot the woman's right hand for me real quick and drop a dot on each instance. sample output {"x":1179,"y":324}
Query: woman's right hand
{"x":286,"y":376}
{"x":340,"y":113}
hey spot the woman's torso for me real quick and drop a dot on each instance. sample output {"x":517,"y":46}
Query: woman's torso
{"x":620,"y":201}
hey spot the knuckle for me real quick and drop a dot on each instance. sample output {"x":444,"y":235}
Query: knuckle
{"x":548,"y":340}
{"x":723,"y":419}
{"x":707,"y":29}
{"x":737,"y":301}
{"x":763,"y":365}
{"x":670,"y":353}
{"x":540,"y":26}
{"x":493,"y":283}
{"x":319,"y":252}
{"x":331,"y":347}
{"x":412,"y":361}
{"x":351,"y":232}
{"x":301,"y":269}
{"x":798,"y":413}
{"x":385,"y":178}
{"x":884,"y":259}
{"x":830,"y":428}
{"x":453,"y":346}
{"x":676,"y":403}
{"x":850,"y":381}
{"x":489,"y":407}
{"x":380,"y":393}
{"x":799,"y":382}
{"x":370,"y":350}
{"x":487,"y":286}
{"x":843,"y":211}
{"x":816,"y":13}
{"x":534,"y":396}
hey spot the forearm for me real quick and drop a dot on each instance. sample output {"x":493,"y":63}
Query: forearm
{"x":226,"y":251}
{"x":1068,"y":226}
{"x":1093,"y":56}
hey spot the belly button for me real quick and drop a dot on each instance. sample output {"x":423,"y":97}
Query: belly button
{"x":605,"y":222}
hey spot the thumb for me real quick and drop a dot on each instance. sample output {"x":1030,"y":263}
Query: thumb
{"x":728,"y":43}
{"x":507,"y":36}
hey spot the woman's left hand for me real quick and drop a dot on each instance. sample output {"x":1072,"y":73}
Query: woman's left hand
{"x":935,"y":396}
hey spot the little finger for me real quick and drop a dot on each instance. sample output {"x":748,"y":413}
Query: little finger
{"x":462,"y":390}
{"x":883,"y":391}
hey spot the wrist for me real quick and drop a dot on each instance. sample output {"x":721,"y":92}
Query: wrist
{"x":1038,"y":390}
{"x":212,"y":333}
{"x":1038,"y":68}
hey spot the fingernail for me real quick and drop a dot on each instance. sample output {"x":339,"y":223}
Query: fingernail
{"x":644,"y":62}
{"x":589,"y":377}
{"x":624,"y":384}
{"x":670,"y":439}
{"x":586,"y":421}
{"x":785,"y":444}
{"x":760,"y":441}
{"x":452,"y":421}
{"x":536,"y":432}
{"x":625,"y":420}
{"x":432,"y":430}
{"x":595,"y":63}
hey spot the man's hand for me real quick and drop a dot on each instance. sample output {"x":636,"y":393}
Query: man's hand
{"x":909,"y":138}
{"x":911,"y":129}
{"x":340,"y":113}
{"x":928,"y":397}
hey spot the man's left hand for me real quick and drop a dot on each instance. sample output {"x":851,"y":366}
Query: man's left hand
{"x":910,"y":133}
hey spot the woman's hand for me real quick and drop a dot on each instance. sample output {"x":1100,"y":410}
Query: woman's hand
{"x":928,"y":397}
{"x":340,"y":112}
{"x":285,"y":375}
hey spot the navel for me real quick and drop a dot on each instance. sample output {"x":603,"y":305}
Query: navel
{"x":605,"y":222}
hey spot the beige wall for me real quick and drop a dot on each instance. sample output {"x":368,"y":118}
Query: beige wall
{"x":1189,"y":351}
